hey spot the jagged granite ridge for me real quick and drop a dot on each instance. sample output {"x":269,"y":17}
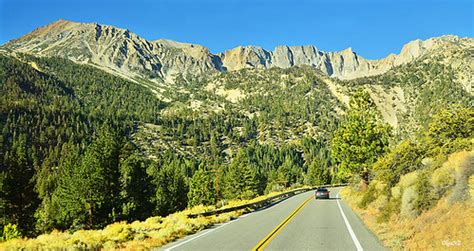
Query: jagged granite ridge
{"x":127,"y":54}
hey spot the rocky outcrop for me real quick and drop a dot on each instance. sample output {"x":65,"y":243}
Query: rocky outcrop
{"x":127,"y":54}
{"x":245,"y":57}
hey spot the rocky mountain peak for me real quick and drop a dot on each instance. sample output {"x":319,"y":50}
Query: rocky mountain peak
{"x":347,"y":51}
{"x":125,"y":53}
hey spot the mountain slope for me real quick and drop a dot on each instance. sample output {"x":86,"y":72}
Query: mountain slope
{"x":409,"y":95}
{"x":188,"y":76}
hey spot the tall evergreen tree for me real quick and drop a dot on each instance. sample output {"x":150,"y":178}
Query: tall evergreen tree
{"x":49,"y":215}
{"x":360,"y":139}
{"x":318,"y":173}
{"x":241,"y":178}
{"x":136,"y":189}
{"x":170,"y":186}
{"x":17,"y":181}
{"x":88,"y":192}
{"x":202,"y":188}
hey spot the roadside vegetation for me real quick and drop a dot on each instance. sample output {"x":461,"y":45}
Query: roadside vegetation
{"x":138,"y":235}
{"x":421,"y":196}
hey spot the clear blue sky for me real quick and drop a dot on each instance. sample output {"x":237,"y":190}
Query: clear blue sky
{"x":373,"y":28}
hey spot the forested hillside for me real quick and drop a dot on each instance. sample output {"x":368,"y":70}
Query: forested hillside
{"x":52,"y":125}
{"x":72,"y":156}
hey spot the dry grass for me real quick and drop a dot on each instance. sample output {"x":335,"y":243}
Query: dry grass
{"x":138,"y":235}
{"x":445,"y":226}
{"x":153,"y":232}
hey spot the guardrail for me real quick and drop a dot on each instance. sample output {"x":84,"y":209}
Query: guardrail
{"x":262,"y":203}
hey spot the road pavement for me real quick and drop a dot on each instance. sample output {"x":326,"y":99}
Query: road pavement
{"x":297,"y":223}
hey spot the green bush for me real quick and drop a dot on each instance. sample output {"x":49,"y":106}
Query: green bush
{"x":443,"y":178}
{"x":403,"y":159}
{"x":396,"y":192}
{"x":393,"y":206}
{"x":368,"y":197}
{"x":408,"y":179}
{"x":424,"y":199}
{"x":10,"y":232}
{"x":453,"y":123}
{"x":380,"y":203}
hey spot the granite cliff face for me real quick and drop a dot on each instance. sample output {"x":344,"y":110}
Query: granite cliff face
{"x":125,"y":53}
{"x":345,"y":64}
{"x":116,"y":50}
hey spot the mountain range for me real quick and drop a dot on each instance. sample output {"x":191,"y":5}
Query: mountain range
{"x":189,"y":76}
{"x":185,"y":76}
{"x":125,"y":53}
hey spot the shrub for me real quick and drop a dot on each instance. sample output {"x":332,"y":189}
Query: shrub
{"x":392,"y":206}
{"x":424,"y":199}
{"x":380,"y":202}
{"x":458,"y":145}
{"x":119,"y":232}
{"x":405,"y":158}
{"x":87,"y":239}
{"x":407,"y":207}
{"x":465,"y":171}
{"x":396,"y":192}
{"x":449,"y":125}
{"x":408,"y":180}
{"x":368,"y":197}
{"x":52,"y":241}
{"x":442,"y":179}
{"x":10,"y":232}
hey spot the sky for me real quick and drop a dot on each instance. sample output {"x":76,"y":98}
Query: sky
{"x":373,"y":28}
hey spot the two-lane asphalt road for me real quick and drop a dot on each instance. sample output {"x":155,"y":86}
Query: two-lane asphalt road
{"x":298,"y":223}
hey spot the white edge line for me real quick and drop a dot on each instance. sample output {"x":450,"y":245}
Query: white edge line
{"x":349,"y":228}
{"x":199,"y":236}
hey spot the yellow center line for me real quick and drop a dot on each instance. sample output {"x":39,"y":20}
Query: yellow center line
{"x":264,"y":242}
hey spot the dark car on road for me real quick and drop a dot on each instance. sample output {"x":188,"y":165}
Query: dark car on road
{"x":322,"y":193}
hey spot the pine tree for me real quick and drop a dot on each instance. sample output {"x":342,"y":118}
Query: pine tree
{"x":202,"y":190}
{"x":170,"y":186}
{"x":242,"y":177}
{"x":318,"y":173}
{"x":135,"y":187}
{"x":17,"y":194}
{"x":360,"y":139}
{"x":88,"y":192}
{"x":48,"y":215}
